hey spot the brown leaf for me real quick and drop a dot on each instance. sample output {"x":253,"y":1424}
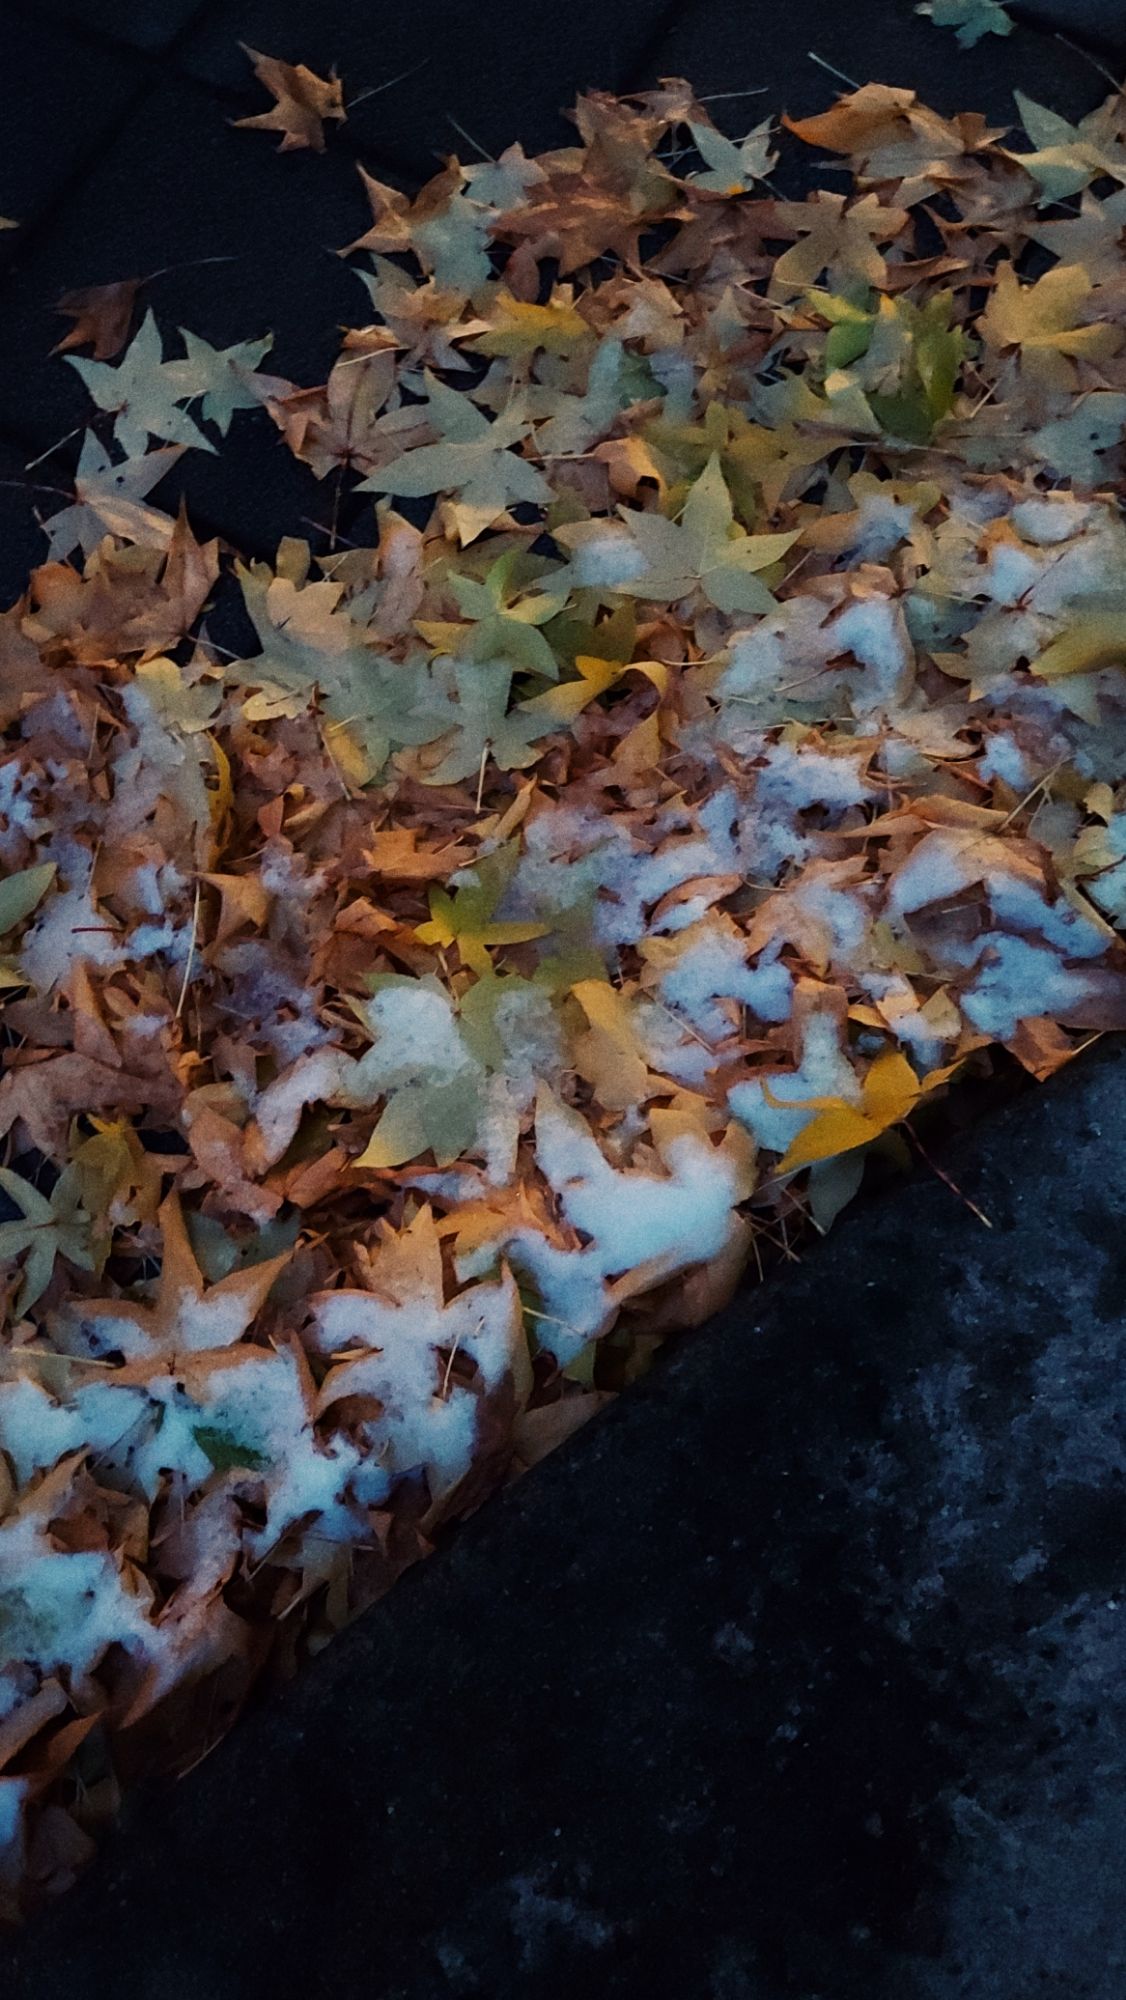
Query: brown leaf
{"x":303,"y":103}
{"x":102,"y":315}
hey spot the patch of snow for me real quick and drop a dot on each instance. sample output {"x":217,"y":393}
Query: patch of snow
{"x":824,"y":1071}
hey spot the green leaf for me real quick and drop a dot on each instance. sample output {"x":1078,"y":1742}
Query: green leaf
{"x":310,"y":642}
{"x":472,"y":460}
{"x":971,"y":18}
{"x":110,"y":500}
{"x":647,"y":555}
{"x":22,"y":892}
{"x":227,"y":1452}
{"x":731,"y":168}
{"x":50,"y":1226}
{"x":225,"y":377}
{"x":1068,"y":157}
{"x":143,"y":392}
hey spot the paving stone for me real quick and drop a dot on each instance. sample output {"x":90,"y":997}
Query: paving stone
{"x":501,"y":76}
{"x":62,"y":99}
{"x":800,"y":1673}
{"x":23,"y":496}
{"x":140,"y":24}
{"x":1101,"y":23}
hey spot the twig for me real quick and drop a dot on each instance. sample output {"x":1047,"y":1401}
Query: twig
{"x":822,"y":64}
{"x":470,"y":140}
{"x":1079,"y":50}
{"x":376,"y":88}
{"x":944,"y":1177}
{"x":1029,"y":796}
{"x":191,"y":951}
{"x":33,"y":462}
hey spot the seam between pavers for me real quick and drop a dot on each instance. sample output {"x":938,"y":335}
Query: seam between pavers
{"x":101,"y":38}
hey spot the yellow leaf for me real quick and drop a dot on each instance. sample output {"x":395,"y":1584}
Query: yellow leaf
{"x":561,"y":704}
{"x":1098,"y":640}
{"x":832,"y":1131}
{"x":889,"y":1092}
{"x":640,"y":750}
{"x":608,"y":1056}
{"x":890,"y":1089}
{"x":520,"y":328}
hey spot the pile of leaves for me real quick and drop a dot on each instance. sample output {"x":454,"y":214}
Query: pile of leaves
{"x":419,"y":1008}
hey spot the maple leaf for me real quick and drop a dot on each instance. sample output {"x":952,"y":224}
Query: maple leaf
{"x":118,"y":1179}
{"x":303,"y":103}
{"x":577,"y":219}
{"x":427,"y":1075}
{"x":615,"y":379}
{"x":338,"y":424}
{"x":472,"y":459}
{"x":655,"y":558}
{"x":889,"y":1092}
{"x":479,"y":724}
{"x":400,"y":1339}
{"x":1093,"y":238}
{"x":226,"y":378}
{"x":188,"y":1315}
{"x":559,"y":706}
{"x":972,"y":19}
{"x":518,"y":328}
{"x":835,"y":236}
{"x":731,"y":168}
{"x":417,"y":315}
{"x":468,"y":919}
{"x":1047,"y":321}
{"x":891,"y":136}
{"x":447,"y":233}
{"x":905,"y":359}
{"x":143,"y":392}
{"x":54,"y":1225}
{"x":1068,"y":157}
{"x":109,"y":500}
{"x":505,"y":611}
{"x":102,"y":314}
{"x":310,"y":642}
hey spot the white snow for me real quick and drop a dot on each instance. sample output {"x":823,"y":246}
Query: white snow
{"x":1019,"y":981}
{"x":631,"y":1217}
{"x":61,"y":1609}
{"x":824,"y":1071}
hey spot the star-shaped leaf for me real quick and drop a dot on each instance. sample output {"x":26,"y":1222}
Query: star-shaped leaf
{"x":143,"y":391}
{"x":54,"y":1225}
{"x":505,"y":611}
{"x":652,"y":557}
{"x":1069,"y":157}
{"x":109,"y":500}
{"x":310,"y":642}
{"x":970,"y":18}
{"x":188,"y":1315}
{"x":467,"y":918}
{"x":472,"y":460}
{"x":731,"y":168}
{"x":225,"y":377}
{"x":303,"y":102}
